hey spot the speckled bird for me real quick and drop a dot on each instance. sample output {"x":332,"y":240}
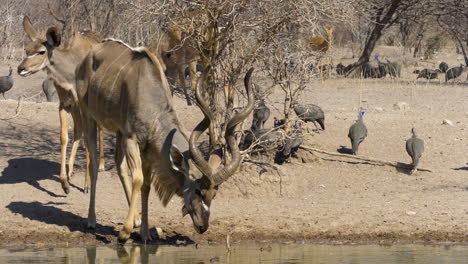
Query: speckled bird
{"x":357,"y":132}
{"x":415,"y":148}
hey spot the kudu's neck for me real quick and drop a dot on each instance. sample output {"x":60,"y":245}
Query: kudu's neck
{"x":62,"y":65}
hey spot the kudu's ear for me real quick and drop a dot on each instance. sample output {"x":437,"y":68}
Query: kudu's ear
{"x":53,"y":37}
{"x":177,"y":159}
{"x":29,"y":29}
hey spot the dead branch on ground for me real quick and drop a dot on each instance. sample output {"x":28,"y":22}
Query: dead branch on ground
{"x":383,"y":162}
{"x":17,"y":111}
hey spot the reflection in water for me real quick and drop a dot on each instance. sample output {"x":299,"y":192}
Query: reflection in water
{"x":242,"y":253}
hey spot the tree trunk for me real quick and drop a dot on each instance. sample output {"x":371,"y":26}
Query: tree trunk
{"x":380,"y":24}
{"x":462,"y":48}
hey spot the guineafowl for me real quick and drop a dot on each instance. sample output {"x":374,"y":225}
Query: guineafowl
{"x":454,"y":73}
{"x":48,"y":87}
{"x":357,"y":132}
{"x":415,"y":148}
{"x":260,"y":115}
{"x":311,"y":113}
{"x":443,"y":67}
{"x":6,"y":82}
{"x":427,"y":73}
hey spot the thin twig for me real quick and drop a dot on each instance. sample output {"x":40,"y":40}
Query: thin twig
{"x":18,"y":109}
{"x":384,"y":162}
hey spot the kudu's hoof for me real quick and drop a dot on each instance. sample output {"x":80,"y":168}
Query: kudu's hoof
{"x":137,"y":222}
{"x":86,"y":189}
{"x":66,"y":188}
{"x":146,"y":237}
{"x":91,"y":224}
{"x":123,"y":237}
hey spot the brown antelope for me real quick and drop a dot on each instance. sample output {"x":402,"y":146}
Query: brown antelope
{"x":177,"y":52}
{"x":322,"y":45}
{"x":60,"y":64}
{"x":126,"y":91}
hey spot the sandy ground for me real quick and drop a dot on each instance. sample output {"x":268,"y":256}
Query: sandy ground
{"x":329,"y":199}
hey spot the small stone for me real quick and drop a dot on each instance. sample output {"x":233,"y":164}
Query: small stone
{"x":447,"y":122}
{"x":401,"y":106}
{"x":410,"y":213}
{"x":379,"y":109}
{"x":215,"y":259}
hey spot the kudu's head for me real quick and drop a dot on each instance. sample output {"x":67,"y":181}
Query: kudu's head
{"x":202,"y":177}
{"x":39,"y":51}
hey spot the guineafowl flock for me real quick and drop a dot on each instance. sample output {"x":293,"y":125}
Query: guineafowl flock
{"x":450,"y":73}
{"x":265,"y":137}
{"x":6,"y":83}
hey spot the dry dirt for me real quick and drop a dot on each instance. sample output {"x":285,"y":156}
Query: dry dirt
{"x":330,"y":199}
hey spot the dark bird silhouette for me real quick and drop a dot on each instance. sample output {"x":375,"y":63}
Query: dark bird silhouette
{"x":48,"y":87}
{"x":357,"y":132}
{"x":415,"y":148}
{"x":427,"y":73}
{"x":260,"y":115}
{"x":6,"y":83}
{"x":454,"y":72}
{"x":443,"y":67}
{"x":311,"y":113}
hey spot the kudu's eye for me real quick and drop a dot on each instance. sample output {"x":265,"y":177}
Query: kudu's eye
{"x":42,"y":52}
{"x":168,"y":55}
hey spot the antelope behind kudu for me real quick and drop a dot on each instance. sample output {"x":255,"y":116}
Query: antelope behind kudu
{"x":125,"y":90}
{"x":177,"y":51}
{"x":60,"y":64}
{"x":322,"y":45}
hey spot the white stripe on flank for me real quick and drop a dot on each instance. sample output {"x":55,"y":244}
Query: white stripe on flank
{"x":137,"y":49}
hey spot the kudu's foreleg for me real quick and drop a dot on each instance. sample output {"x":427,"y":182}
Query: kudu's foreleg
{"x":132,"y":154}
{"x":145,"y":190}
{"x":77,"y":133}
{"x":63,"y":148}
{"x":101,"y":149}
{"x":122,"y":171}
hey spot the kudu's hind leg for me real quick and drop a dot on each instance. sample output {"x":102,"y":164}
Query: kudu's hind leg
{"x":91,"y":149}
{"x":122,"y":171}
{"x":63,"y":148}
{"x":101,"y":149}
{"x":132,"y":153}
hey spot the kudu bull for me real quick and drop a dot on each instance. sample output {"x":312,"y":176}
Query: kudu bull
{"x":60,"y":64}
{"x":125,"y":90}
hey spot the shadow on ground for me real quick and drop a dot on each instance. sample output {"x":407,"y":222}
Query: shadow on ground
{"x":49,"y":214}
{"x":31,"y":171}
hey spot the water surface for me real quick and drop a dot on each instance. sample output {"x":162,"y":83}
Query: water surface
{"x":243,"y":253}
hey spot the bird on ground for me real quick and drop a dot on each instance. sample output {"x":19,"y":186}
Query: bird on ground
{"x":415,"y":148}
{"x":6,"y":83}
{"x":357,"y":132}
